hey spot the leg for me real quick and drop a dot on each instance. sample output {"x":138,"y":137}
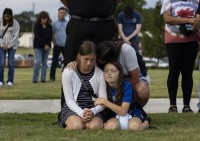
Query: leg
{"x":2,"y":64}
{"x":112,"y":124}
{"x":45,"y":54}
{"x":38,"y":60}
{"x":95,"y":123}
{"x":54,"y":63}
{"x":142,"y":93}
{"x":77,"y":31}
{"x":190,"y":53}
{"x":103,"y":31}
{"x":11,"y":57}
{"x":136,"y":124}
{"x":198,"y":104}
{"x":174,"y":52}
{"x":74,"y":123}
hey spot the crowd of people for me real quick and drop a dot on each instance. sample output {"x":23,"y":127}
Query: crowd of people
{"x":104,"y":81}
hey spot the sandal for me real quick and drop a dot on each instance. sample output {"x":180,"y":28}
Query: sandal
{"x":187,"y":109}
{"x":172,"y":109}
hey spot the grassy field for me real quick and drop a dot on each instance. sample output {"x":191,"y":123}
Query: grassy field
{"x":25,"y":89}
{"x":38,"y":127}
{"x":27,"y":51}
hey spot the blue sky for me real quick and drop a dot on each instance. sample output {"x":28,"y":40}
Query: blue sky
{"x":50,"y":6}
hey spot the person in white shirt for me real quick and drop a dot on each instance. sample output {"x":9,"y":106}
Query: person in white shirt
{"x":9,"y":34}
{"x":79,"y":111}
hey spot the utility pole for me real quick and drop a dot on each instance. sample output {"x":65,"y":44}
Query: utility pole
{"x":33,"y":20}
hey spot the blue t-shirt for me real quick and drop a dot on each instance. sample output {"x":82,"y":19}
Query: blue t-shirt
{"x":126,"y":91}
{"x":129,"y":24}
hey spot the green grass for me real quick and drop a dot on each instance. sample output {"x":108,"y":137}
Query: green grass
{"x":38,"y":127}
{"x":21,"y":50}
{"x":25,"y":89}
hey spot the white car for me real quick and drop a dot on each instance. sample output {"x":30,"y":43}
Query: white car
{"x":151,"y":62}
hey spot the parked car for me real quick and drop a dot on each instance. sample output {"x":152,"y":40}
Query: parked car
{"x":154,"y":62}
{"x":60,"y":61}
{"x":22,"y":61}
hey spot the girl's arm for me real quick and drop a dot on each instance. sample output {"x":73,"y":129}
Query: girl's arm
{"x":68,"y":93}
{"x":101,"y":93}
{"x":120,"y":110}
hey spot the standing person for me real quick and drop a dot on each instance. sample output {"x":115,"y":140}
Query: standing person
{"x":182,"y":48}
{"x":42,"y":45}
{"x":59,"y":33}
{"x":129,"y":26}
{"x":9,"y":34}
{"x":119,"y":101}
{"x":80,"y":89}
{"x":90,"y":20}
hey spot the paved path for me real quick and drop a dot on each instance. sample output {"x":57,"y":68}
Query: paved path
{"x":160,"y":105}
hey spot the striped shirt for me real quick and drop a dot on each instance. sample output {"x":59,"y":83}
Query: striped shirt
{"x":84,"y":99}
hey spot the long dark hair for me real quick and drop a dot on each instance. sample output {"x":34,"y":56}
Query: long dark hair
{"x":43,"y":14}
{"x":9,"y":12}
{"x":108,"y":51}
{"x":119,"y":90}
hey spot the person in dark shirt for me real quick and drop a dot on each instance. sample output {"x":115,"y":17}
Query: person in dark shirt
{"x":42,"y":44}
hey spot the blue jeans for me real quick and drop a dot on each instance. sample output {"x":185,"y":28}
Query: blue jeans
{"x":11,"y":56}
{"x":41,"y":57}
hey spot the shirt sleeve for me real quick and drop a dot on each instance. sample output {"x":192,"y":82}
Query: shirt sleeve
{"x":165,"y":6}
{"x":68,"y":93}
{"x":139,"y":19}
{"x":120,"y":19}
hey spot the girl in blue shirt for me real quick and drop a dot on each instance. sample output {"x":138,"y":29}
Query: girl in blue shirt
{"x":121,"y":115}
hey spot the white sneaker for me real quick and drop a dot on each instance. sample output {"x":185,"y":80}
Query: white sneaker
{"x":1,"y":84}
{"x":9,"y":84}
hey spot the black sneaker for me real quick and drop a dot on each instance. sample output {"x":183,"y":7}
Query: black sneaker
{"x":187,"y":109}
{"x":172,"y":109}
{"x":199,"y":111}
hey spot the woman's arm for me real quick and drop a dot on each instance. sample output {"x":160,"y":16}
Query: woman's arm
{"x":136,"y":32}
{"x":176,"y":20}
{"x":101,"y":93}
{"x":120,"y":110}
{"x":134,"y":76}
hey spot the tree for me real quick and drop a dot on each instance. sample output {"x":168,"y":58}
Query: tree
{"x":153,"y":46}
{"x":25,"y":20}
